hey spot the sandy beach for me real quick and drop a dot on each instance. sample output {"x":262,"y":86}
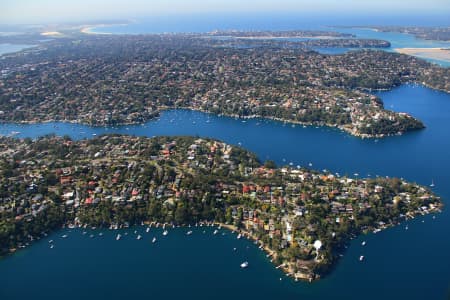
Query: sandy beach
{"x":432,"y":53}
{"x":89,"y":29}
{"x":51,"y":33}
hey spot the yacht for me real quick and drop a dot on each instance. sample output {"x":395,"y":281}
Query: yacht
{"x":361,"y":258}
{"x":64,"y":236}
{"x":244,"y":264}
{"x":189,"y":232}
{"x":118,"y":237}
{"x":165,"y":232}
{"x":139,"y":237}
{"x":153,"y":240}
{"x":363,"y":243}
{"x":215,"y":231}
{"x":239,"y":236}
{"x":51,"y":246}
{"x":147,"y":230}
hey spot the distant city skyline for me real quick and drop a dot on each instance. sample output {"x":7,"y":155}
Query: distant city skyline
{"x":42,"y":11}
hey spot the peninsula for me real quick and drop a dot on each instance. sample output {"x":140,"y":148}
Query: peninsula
{"x":302,"y":218}
{"x":422,"y":32}
{"x":112,"y":80}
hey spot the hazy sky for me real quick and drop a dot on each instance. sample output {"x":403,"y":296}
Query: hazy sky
{"x":34,"y":11}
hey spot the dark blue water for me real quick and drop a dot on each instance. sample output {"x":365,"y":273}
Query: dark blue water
{"x":401,"y":264}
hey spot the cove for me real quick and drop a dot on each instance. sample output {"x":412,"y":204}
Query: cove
{"x":398,"y":263}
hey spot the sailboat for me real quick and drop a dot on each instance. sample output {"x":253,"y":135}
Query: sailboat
{"x":432,"y":183}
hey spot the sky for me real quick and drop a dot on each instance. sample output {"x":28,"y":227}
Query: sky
{"x":44,"y":11}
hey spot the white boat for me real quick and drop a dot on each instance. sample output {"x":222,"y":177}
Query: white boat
{"x":64,"y":236}
{"x":51,"y":246}
{"x":363,"y":243}
{"x":244,"y":264}
{"x":165,"y":232}
{"x":51,"y":241}
{"x":139,"y":237}
{"x":118,"y":237}
{"x":432,"y":183}
{"x":153,"y":240}
{"x":361,"y":258}
{"x":215,"y":231}
{"x":189,"y":232}
{"x":239,"y":236}
{"x":148,"y":229}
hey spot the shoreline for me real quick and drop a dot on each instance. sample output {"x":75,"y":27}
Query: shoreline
{"x":271,"y":231}
{"x":90,"y":29}
{"x":344,"y":128}
{"x":271,"y":254}
{"x":440,"y":54}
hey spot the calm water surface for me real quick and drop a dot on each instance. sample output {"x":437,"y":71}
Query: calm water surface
{"x":11,"y":48}
{"x":400,"y":264}
{"x":207,"y":23}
